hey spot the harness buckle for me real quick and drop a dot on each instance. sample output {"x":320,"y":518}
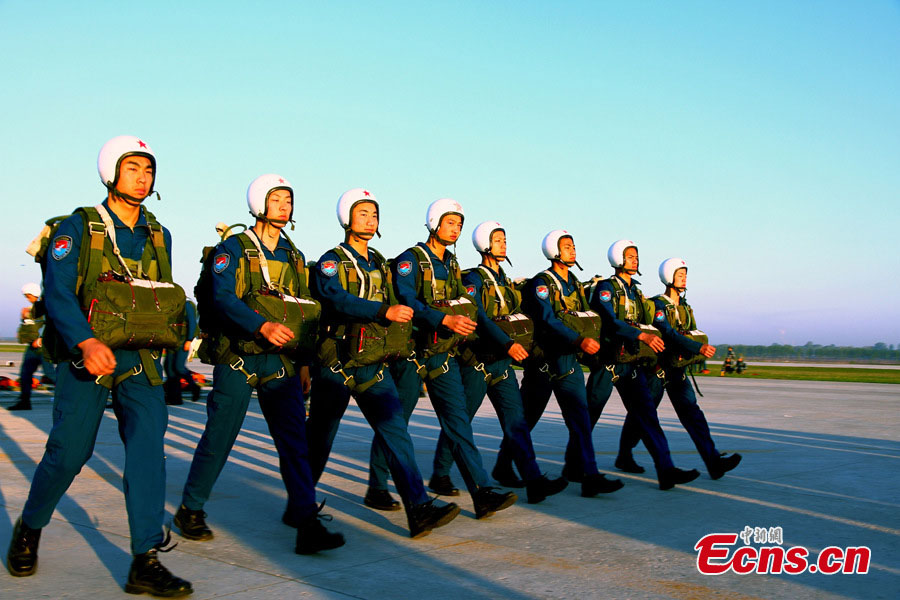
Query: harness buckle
{"x":338,"y":369}
{"x":480,"y":368}
{"x":612,"y":370}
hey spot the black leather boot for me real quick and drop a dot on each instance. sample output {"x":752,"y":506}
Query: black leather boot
{"x":538,"y":490}
{"x":21,"y":559}
{"x":487,"y":501}
{"x":599,"y":484}
{"x":674,"y":476}
{"x":312,"y":536}
{"x":422,"y":518}
{"x":192,"y":525}
{"x":723,"y":464}
{"x":148,"y":575}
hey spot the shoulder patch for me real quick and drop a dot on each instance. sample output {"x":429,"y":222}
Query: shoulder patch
{"x":542,"y":292}
{"x":470,"y":290}
{"x":328,"y":268}
{"x":62,"y":245}
{"x":605,"y":295}
{"x":660,"y":315}
{"x":220,"y":262}
{"x":404,"y":268}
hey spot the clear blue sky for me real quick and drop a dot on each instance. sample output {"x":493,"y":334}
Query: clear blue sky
{"x":760,"y":141}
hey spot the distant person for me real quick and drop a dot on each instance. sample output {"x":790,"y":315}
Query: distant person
{"x":174,"y":363}
{"x":30,"y":334}
{"x":728,"y":365}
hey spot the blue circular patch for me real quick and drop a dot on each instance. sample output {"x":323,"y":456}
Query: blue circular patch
{"x":220,"y":262}
{"x":404,"y":268}
{"x":542,"y":292}
{"x":62,"y":245}
{"x":605,"y":295}
{"x":328,"y":268}
{"x":659,"y":315}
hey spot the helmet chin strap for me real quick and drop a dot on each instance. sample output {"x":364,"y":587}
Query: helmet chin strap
{"x":569,"y":264}
{"x":497,"y":258}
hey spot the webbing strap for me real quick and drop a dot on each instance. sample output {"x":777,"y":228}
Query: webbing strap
{"x":553,"y":377}
{"x":146,"y":366}
{"x":350,"y":380}
{"x":422,"y":368}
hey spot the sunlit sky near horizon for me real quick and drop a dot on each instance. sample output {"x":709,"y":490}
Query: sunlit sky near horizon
{"x":760,"y":141}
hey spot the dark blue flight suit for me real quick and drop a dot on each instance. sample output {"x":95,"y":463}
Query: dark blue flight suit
{"x":560,"y":374}
{"x":79,"y":402}
{"x":503,"y":391}
{"x":445,"y":390}
{"x":280,"y":398}
{"x":680,"y":391}
{"x":379,"y":403}
{"x":631,"y":382}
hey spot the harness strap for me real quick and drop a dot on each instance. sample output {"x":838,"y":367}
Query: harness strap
{"x":350,"y":380}
{"x":146,"y":366}
{"x":255,"y":381}
{"x":553,"y":377}
{"x":423,"y":371}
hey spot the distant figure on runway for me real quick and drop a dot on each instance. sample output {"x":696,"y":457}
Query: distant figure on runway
{"x":30,"y":333}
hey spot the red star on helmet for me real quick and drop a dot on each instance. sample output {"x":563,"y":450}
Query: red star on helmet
{"x":280,"y":180}
{"x":142,"y":144}
{"x":366,"y":192}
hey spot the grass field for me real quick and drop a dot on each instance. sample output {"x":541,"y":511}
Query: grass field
{"x":813,"y":374}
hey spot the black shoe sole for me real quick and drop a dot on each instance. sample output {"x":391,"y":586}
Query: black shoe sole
{"x":25,"y":573}
{"x":614,"y":486}
{"x":537,"y":498}
{"x":394,"y":506}
{"x":510,"y":483}
{"x":192,"y":536}
{"x":133,"y":588}
{"x":439,"y":523}
{"x":506,"y":504}
{"x":308,"y":551}
{"x":668,"y":484}
{"x":444,"y":491}
{"x":630,"y":468}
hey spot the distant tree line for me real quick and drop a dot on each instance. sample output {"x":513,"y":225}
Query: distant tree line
{"x":880,"y":352}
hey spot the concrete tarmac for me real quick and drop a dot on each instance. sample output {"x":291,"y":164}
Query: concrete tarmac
{"x":820,"y":461}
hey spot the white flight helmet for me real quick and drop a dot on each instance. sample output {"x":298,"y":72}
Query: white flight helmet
{"x":31,"y":289}
{"x":550,"y":245}
{"x":481,"y":237}
{"x":439,"y":208}
{"x":112,"y":153}
{"x":616,"y":253}
{"x":259,"y":190}
{"x":351,"y":198}
{"x":667,"y":269}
